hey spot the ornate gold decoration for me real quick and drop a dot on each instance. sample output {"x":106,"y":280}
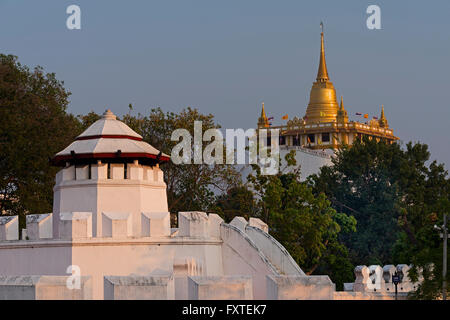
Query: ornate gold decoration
{"x":323,"y":106}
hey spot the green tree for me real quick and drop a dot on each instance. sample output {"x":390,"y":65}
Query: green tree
{"x":396,"y":199}
{"x":86,"y":120}
{"x":189,"y":186}
{"x":237,"y":201}
{"x":34,"y":126}
{"x":361,"y":183}
{"x":306,"y":225}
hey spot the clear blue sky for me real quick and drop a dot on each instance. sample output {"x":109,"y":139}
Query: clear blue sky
{"x":226,"y":57}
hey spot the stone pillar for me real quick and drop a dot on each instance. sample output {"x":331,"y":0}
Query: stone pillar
{"x":82,"y":172}
{"x":405,"y":285}
{"x":214,"y":222}
{"x":193,"y":224}
{"x":376,"y":281}
{"x":9,"y":228}
{"x":240,"y":223}
{"x":362,"y":278}
{"x":116,"y":224}
{"x":39,"y":226}
{"x":155,"y":224}
{"x":75,"y":225}
{"x":388,"y":272}
{"x":258,"y":223}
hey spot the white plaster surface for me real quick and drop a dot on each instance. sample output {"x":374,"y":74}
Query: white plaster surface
{"x":155,"y":224}
{"x":116,"y":224}
{"x":241,"y":257}
{"x":75,"y":225}
{"x":39,"y":226}
{"x":309,"y":161}
{"x":43,"y":288}
{"x":9,"y":228}
{"x":362,"y":278}
{"x":274,"y":251}
{"x":239,"y":222}
{"x":135,"y":287}
{"x":258,"y":223}
{"x":220,"y":288}
{"x":299,"y":288}
{"x":193,"y":224}
{"x":214,"y":221}
{"x":99,"y":194}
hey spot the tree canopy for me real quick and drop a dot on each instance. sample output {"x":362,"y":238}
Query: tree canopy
{"x":34,"y":126}
{"x":396,"y":198}
{"x":304,"y":223}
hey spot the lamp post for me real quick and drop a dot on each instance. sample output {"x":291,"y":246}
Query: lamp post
{"x":444,"y":260}
{"x":444,"y":235}
{"x":396,"y":280}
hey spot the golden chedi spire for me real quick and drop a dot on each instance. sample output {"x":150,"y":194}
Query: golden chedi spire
{"x":322,"y":73}
{"x":342,"y":115}
{"x":323,"y":105}
{"x":262,"y":120}
{"x":383,"y":121}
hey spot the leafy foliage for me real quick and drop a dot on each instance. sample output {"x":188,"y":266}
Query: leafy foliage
{"x":34,"y":126}
{"x":396,"y":199}
{"x":237,"y":201}
{"x":306,"y":225}
{"x":189,"y":186}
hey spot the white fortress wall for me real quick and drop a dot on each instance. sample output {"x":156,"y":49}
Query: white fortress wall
{"x":203,"y":247}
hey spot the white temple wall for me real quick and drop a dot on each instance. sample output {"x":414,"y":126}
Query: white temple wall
{"x":309,"y":161}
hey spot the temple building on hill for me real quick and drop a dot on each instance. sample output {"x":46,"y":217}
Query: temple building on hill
{"x":325,"y":126}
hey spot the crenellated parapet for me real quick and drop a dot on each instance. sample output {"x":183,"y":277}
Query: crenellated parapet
{"x":119,"y":225}
{"x":110,"y":172}
{"x":379,"y":279}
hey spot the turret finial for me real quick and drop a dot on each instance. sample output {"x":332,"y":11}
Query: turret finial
{"x":109,"y":115}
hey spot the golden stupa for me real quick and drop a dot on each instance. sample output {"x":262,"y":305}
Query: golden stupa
{"x":323,"y":106}
{"x":326,"y":124}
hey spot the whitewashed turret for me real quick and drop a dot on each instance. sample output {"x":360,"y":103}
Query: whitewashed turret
{"x":112,"y":173}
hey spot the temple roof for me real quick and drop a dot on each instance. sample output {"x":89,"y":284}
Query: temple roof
{"x":109,"y":138}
